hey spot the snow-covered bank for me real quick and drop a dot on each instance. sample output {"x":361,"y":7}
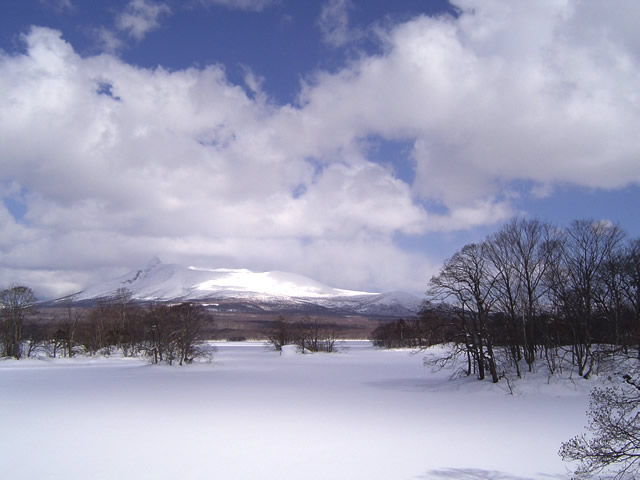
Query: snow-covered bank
{"x":254,"y":414}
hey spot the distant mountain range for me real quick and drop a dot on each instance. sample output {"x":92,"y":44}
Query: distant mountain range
{"x":243,"y":290}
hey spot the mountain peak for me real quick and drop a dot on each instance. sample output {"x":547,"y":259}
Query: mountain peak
{"x":153,"y":263}
{"x":162,"y":282}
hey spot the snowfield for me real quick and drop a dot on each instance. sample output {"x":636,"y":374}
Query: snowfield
{"x":254,"y":414}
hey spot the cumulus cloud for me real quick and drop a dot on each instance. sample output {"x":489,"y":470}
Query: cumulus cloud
{"x":119,"y":162}
{"x":502,"y":93}
{"x":140,"y":17}
{"x":115,"y":163}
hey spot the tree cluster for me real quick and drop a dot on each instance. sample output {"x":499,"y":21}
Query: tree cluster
{"x":307,"y":333}
{"x":412,"y":333}
{"x":164,"y":333}
{"x":534,"y":291}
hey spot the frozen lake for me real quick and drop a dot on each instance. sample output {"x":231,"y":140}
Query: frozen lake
{"x":254,"y":414}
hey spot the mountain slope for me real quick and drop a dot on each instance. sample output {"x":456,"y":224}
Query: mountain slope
{"x":271,"y":290}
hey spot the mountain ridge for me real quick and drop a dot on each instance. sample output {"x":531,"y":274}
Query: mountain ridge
{"x":160,"y":282}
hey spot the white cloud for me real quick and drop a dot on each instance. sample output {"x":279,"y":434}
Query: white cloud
{"x":107,"y":40}
{"x":334,"y":22}
{"x":248,"y":5}
{"x":505,"y":92}
{"x":140,"y":17}
{"x":119,"y":163}
{"x":116,"y":163}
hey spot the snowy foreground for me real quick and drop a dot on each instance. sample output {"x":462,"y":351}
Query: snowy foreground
{"x":253,"y":414}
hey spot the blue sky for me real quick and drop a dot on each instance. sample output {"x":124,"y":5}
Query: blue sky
{"x":356,"y":142}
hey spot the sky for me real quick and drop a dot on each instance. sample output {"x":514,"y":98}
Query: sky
{"x":359,"y":143}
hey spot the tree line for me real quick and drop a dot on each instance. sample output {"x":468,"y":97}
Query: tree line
{"x":163,"y":333}
{"x":532,"y":291}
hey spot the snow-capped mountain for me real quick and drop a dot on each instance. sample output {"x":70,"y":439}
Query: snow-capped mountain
{"x":270,"y":291}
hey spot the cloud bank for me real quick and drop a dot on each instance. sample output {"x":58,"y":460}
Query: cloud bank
{"x":114,"y":163}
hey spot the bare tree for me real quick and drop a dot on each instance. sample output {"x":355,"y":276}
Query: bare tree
{"x":95,"y":333}
{"x":394,"y":334}
{"x":587,"y":248}
{"x":123,"y":307}
{"x":190,"y":321}
{"x":65,"y":335}
{"x":631,"y":285}
{"x":522,"y":252}
{"x":609,"y":298}
{"x":321,"y":336}
{"x":311,"y":334}
{"x":159,"y":334}
{"x":36,"y":335}
{"x":614,"y":423}
{"x":15,"y":304}
{"x":532,"y":291}
{"x":281,"y":334}
{"x":467,"y":280}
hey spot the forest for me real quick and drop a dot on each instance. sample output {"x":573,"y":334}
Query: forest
{"x":530,"y":293}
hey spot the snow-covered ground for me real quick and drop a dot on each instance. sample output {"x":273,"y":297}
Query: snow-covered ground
{"x":254,"y":414}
